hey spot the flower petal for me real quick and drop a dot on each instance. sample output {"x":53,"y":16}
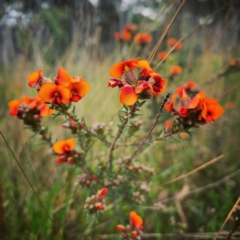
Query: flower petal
{"x":70,"y":142}
{"x":128,"y":95}
{"x":34,"y":77}
{"x":13,"y":106}
{"x":45,"y":111}
{"x":59,"y":146}
{"x":135,"y":219}
{"x":118,"y":69}
{"x":64,"y":93}
{"x":63,"y":77}
{"x":47,"y":91}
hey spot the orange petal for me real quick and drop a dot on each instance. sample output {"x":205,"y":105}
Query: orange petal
{"x":63,"y":77}
{"x":81,"y":88}
{"x":143,"y":64}
{"x":34,"y":77}
{"x":64,"y":93}
{"x":47,"y":91}
{"x":103,"y":192}
{"x":13,"y":106}
{"x":70,"y":142}
{"x":128,"y":95}
{"x":194,"y":101}
{"x":118,"y":69}
{"x":59,"y":146}
{"x":175,"y":70}
{"x":135,"y":219}
{"x":45,"y":111}
{"x":169,"y":106}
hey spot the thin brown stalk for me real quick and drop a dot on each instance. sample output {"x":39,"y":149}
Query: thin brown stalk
{"x":155,"y":49}
{"x":194,"y":170}
{"x":151,"y":129}
{"x":227,"y":218}
{"x":193,"y":31}
{"x":26,"y":177}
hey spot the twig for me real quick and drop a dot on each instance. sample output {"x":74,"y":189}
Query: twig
{"x":155,"y":49}
{"x":193,"y":31}
{"x":119,"y":133}
{"x":151,"y":129}
{"x":228,"y":216}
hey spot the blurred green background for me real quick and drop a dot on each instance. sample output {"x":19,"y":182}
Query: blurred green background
{"x":79,"y":35}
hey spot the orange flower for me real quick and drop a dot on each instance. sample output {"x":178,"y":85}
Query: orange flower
{"x":78,"y":89}
{"x":175,"y":70}
{"x":136,"y":221}
{"x":143,"y":38}
{"x":118,"y":69}
{"x":172,"y":41}
{"x":57,"y":94}
{"x":163,"y":55}
{"x":211,"y":109}
{"x":34,"y":78}
{"x":64,"y":146}
{"x":183,"y":135}
{"x":128,"y":95}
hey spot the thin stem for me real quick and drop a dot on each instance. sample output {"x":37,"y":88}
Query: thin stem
{"x":155,"y":49}
{"x":151,"y":129}
{"x":26,"y":177}
{"x":119,"y":133}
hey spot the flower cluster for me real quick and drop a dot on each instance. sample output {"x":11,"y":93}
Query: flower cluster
{"x":95,"y":203}
{"x":133,"y":230}
{"x":194,"y":112}
{"x":147,"y":84}
{"x":65,"y":150}
{"x":31,"y":110}
{"x":64,"y":90}
{"x":126,"y":34}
